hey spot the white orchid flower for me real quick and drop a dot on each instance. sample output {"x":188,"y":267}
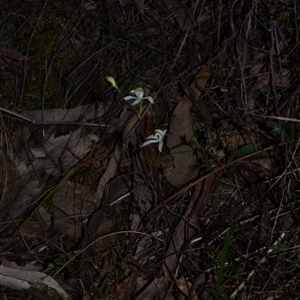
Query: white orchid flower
{"x":157,"y":137}
{"x":138,"y":96}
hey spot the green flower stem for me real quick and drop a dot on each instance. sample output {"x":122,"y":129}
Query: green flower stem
{"x":140,"y":109}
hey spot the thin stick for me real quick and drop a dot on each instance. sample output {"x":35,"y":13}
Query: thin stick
{"x":283,"y":118}
{"x":16,"y":115}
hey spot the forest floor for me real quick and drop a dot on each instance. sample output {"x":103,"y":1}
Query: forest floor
{"x":188,"y":189}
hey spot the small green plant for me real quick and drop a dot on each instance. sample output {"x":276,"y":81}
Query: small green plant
{"x":224,"y":255}
{"x":284,"y":16}
{"x":275,"y":129}
{"x":248,"y":149}
{"x":279,"y":247}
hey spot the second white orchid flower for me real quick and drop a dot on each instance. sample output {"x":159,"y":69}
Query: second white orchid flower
{"x":138,"y":96}
{"x":157,"y":137}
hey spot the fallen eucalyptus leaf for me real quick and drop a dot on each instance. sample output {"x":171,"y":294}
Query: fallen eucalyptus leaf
{"x":21,"y":279}
{"x":186,"y":287}
{"x":181,"y":132}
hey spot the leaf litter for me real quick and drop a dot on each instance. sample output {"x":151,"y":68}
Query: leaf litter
{"x":106,"y":219}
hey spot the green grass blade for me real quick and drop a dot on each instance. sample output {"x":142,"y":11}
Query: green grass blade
{"x":221,"y":274}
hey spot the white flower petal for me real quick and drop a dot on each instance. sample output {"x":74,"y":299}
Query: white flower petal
{"x":129,"y":98}
{"x":150,"y":99}
{"x":149,"y":142}
{"x":137,"y":101}
{"x":153,"y":137}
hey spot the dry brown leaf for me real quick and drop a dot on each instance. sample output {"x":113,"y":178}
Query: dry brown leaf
{"x":200,"y":81}
{"x":10,"y":185}
{"x":180,"y":14}
{"x":103,"y":187}
{"x":125,"y":287}
{"x":23,"y":280}
{"x":256,"y":69}
{"x":13,"y":265}
{"x":282,"y":80}
{"x":71,"y":205}
{"x":180,"y":133}
{"x":157,"y":286}
{"x":185,"y":287}
{"x":98,"y":216}
{"x":140,"y":5}
{"x":259,"y":55}
{"x":86,"y":112}
{"x":13,"y":54}
{"x":65,"y":148}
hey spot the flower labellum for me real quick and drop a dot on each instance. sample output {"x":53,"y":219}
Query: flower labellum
{"x":157,"y":137}
{"x":138,"y":96}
